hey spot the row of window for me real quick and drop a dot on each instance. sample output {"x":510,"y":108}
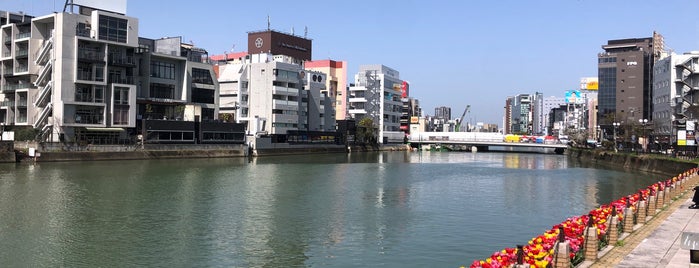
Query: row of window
{"x":284,"y":125}
{"x":606,"y":60}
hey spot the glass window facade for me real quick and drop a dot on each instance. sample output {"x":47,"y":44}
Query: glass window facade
{"x":607,"y":93}
{"x":202,"y":76}
{"x":202,"y":95}
{"x":161,"y":69}
{"x":113,"y":29}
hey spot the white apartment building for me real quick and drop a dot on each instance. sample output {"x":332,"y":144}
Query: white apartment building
{"x":65,"y":73}
{"x":273,"y":94}
{"x":675,"y":79}
{"x":88,"y":77}
{"x":376,"y":94}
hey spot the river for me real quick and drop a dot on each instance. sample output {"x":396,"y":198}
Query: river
{"x":389,"y":209}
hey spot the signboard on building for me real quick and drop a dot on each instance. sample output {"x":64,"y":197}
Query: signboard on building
{"x":116,"y":6}
{"x":405,"y":90}
{"x":573,"y":97}
{"x":414,"y":120}
{"x":681,"y":137}
{"x":589,"y":83}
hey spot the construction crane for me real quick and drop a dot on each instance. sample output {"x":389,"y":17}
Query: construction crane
{"x":458,"y":124}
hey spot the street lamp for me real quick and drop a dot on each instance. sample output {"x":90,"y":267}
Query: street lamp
{"x":645,"y":140}
{"x":615,"y":124}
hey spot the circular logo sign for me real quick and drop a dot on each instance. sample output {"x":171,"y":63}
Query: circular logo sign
{"x":258,"y":42}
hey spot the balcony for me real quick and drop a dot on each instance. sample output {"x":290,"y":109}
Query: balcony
{"x":89,"y":119}
{"x":22,"y":53}
{"x":8,"y":103}
{"x":357,"y":100}
{"x":88,"y":76}
{"x":121,"y":80}
{"x":82,"y":32}
{"x":122,"y":60}
{"x":22,"y":69}
{"x":23,"y":35}
{"x":90,"y":55}
{"x":12,"y":87}
{"x":357,"y":111}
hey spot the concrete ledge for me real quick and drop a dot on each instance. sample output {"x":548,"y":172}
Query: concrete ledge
{"x":136,"y":155}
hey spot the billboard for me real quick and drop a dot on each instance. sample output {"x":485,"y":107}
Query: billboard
{"x":573,"y":97}
{"x":589,"y":83}
{"x":117,"y":6}
{"x":405,"y":90}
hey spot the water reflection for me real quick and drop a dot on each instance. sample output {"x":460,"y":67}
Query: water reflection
{"x":335,"y":210}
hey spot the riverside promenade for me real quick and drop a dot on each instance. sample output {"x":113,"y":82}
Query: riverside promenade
{"x":657,"y":243}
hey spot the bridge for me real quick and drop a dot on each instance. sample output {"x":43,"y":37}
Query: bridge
{"x":481,"y":142}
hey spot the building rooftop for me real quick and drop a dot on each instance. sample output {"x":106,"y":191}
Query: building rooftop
{"x":228,"y":56}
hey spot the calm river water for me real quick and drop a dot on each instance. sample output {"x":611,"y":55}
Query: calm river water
{"x":393,"y":209}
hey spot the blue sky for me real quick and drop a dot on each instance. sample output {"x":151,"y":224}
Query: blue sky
{"x":453,"y":53}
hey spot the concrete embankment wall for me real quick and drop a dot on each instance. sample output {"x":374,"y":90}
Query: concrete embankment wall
{"x":285,"y":149}
{"x":134,"y":155}
{"x":642,"y":162}
{"x":63,"y":152}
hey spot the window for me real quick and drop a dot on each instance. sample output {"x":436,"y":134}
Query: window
{"x":202,"y":76}
{"x":202,"y":95}
{"x":121,"y":95}
{"x":161,"y":69}
{"x":88,"y":93}
{"x":162,"y":91}
{"x":112,"y":29}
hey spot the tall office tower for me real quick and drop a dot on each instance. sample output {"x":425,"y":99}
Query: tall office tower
{"x":442,"y":112}
{"x":625,"y":72}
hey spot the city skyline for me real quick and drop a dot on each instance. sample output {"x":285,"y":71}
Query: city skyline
{"x":453,"y":54}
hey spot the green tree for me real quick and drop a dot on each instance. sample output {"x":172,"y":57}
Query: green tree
{"x":365,"y":131}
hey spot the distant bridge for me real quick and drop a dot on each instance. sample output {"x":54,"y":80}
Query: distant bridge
{"x":482,"y":142}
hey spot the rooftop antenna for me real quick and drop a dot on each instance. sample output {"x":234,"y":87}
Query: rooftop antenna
{"x":305,"y":32}
{"x":269,"y":24}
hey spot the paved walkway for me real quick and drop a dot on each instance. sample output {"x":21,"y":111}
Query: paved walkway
{"x":657,"y":243}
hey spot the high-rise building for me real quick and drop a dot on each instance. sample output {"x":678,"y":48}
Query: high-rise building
{"x":507,"y":118}
{"x":538,"y":116}
{"x":522,"y":114}
{"x":625,"y":72}
{"x":376,"y":94}
{"x":443,"y":112}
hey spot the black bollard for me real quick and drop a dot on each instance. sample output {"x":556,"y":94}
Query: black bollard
{"x":520,"y":254}
{"x":561,"y":235}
